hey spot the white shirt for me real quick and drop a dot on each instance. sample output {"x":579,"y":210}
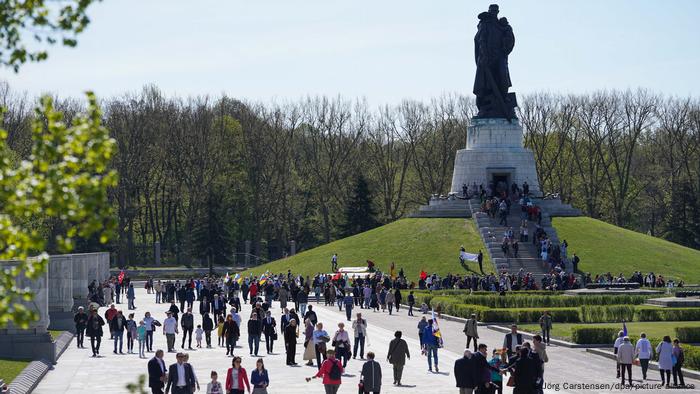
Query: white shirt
{"x":181,"y":381}
{"x":170,"y":325}
{"x":618,"y":342}
{"x":643,"y":348}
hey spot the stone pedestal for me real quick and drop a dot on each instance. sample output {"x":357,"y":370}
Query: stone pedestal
{"x":61,"y":292}
{"x":34,"y":342}
{"x":494,"y":153}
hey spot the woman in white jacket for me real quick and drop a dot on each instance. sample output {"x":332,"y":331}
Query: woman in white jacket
{"x":665,"y":352}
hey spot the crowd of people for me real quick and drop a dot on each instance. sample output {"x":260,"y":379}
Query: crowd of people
{"x":670,"y":356}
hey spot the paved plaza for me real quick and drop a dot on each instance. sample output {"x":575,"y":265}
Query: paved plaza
{"x":77,"y":372}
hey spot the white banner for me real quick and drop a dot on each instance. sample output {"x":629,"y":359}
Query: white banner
{"x":468,"y":256}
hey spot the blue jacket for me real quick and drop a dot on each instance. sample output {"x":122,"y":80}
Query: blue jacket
{"x":429,"y":338}
{"x":258,"y":378}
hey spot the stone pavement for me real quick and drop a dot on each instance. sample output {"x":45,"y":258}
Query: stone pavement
{"x":77,"y":372}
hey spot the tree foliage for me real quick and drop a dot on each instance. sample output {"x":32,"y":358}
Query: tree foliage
{"x":28,"y":27}
{"x":359,"y":212}
{"x":65,"y":177}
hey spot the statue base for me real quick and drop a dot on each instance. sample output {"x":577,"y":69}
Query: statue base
{"x":494,"y":155}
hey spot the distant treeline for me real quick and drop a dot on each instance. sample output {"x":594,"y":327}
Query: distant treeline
{"x":201,"y":175}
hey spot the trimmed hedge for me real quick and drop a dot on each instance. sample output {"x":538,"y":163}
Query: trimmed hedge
{"x":607,"y":314}
{"x":688,"y":334}
{"x":530,"y":315}
{"x":561,"y":301}
{"x":650,"y":313}
{"x":593,"y":335}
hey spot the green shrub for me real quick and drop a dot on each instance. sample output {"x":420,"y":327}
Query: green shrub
{"x":609,"y":313}
{"x":692,"y":357}
{"x":550,"y":301}
{"x":645,"y":313}
{"x":688,"y":334}
{"x":593,"y":335}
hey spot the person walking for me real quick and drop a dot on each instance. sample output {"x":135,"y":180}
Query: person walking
{"x":644,"y":352}
{"x":130,"y":296}
{"x":254,"y":332}
{"x":141,"y":337}
{"x":151,"y":324}
{"x":80,"y":319}
{"x":187,"y":324}
{"x":231,"y":332}
{"x":259,"y":378}
{"x":169,"y":330}
{"x":430,"y":346}
{"x":94,"y":331}
{"x":309,"y":349}
{"x":371,"y":375}
{"x":665,"y":353}
{"x":208,"y":327}
{"x":116,"y":327}
{"x":390,"y":301}
{"x":398,"y":352}
{"x":349,"y":303}
{"x":616,"y":346}
{"x":131,"y":328}
{"x":470,"y":330}
{"x":359,"y":330}
{"x":411,"y":302}
{"x":341,"y":343}
{"x":679,"y":357}
{"x":331,"y":371}
{"x":546,"y":326}
{"x":421,"y":326}
{"x":156,"y":373}
{"x":625,"y":357}
{"x":464,"y":373}
{"x":181,"y":377}
{"x":321,"y":338}
{"x":269,"y":329}
{"x":236,"y":378}
{"x":290,"y":341}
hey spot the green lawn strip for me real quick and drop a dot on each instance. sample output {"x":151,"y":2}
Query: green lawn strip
{"x":413,"y":244}
{"x":604,"y":247}
{"x":9,"y":369}
{"x":655,"y":329}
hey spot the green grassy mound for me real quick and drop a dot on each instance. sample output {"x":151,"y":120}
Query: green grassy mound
{"x":9,"y":369}
{"x":604,"y":247}
{"x":413,"y":244}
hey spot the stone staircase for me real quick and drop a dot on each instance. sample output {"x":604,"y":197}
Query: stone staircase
{"x":492,"y":234}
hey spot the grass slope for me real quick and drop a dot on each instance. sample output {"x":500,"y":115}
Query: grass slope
{"x":653,"y":329}
{"x":413,"y":244}
{"x":9,"y":369}
{"x":603,"y":247}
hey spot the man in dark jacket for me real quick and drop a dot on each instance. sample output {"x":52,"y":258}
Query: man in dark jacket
{"x":80,"y":320}
{"x":207,"y":326}
{"x":268,"y":328}
{"x":398,"y":352}
{"x":526,"y":371}
{"x":181,"y":297}
{"x":187,"y":384}
{"x":482,"y":369}
{"x":187,"y":323}
{"x":371,"y":375}
{"x":156,"y":373}
{"x":254,"y":331}
{"x":464,"y":373}
{"x":94,"y":331}
{"x":290,"y":341}
{"x":117,"y":326}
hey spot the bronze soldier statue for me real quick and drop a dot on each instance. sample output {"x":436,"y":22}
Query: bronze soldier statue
{"x":493,"y":42}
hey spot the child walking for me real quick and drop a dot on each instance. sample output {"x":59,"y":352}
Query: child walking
{"x":141,"y":335}
{"x":220,"y":331}
{"x":198,"y":335}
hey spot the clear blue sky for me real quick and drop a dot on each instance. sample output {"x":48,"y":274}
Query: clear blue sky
{"x":384,"y":50}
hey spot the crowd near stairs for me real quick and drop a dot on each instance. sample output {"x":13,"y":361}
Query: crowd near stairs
{"x":492,"y":233}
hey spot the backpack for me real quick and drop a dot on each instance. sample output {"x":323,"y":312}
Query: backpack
{"x":335,"y":371}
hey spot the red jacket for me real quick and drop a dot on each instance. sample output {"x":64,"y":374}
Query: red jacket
{"x":325,"y":371}
{"x":242,"y":378}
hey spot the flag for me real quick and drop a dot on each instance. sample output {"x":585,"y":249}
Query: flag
{"x":121,"y":276}
{"x":436,"y":328}
{"x":238,"y":278}
{"x":423,"y":275}
{"x":392,"y":270}
{"x":624,"y":329}
{"x":227,"y":278}
{"x":263,"y":278}
{"x":468,"y":256}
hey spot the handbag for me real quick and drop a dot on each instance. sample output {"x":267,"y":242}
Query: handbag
{"x":274,"y":335}
{"x":511,"y":381}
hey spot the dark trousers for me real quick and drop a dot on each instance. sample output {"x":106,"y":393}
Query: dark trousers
{"x":230,"y":345}
{"x":628,"y":369}
{"x":359,"y":340}
{"x":665,"y":376}
{"x":129,"y":342}
{"x":80,"y":336}
{"x":155,"y":390}
{"x":185,"y":331}
{"x":545,"y":335}
{"x":410,"y":309}
{"x":254,"y":344}
{"x":207,"y":336}
{"x":678,"y":375}
{"x":348,"y":312}
{"x":319,"y":354}
{"x":290,"y":348}
{"x":149,"y":341}
{"x":398,"y":372}
{"x":470,"y":339}
{"x":644,"y":363}
{"x":269,"y":342}
{"x":180,"y":390}
{"x":95,"y":344}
